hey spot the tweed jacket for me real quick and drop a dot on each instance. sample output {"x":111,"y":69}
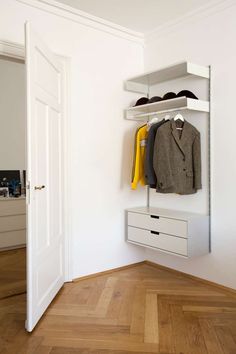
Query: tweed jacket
{"x":177,"y":158}
{"x":150,"y":175}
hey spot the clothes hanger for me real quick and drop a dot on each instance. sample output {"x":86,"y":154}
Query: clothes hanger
{"x":179,"y":116}
{"x":152,"y":121}
{"x":167,"y":117}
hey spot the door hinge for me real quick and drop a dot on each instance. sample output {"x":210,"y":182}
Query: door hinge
{"x":27,"y":192}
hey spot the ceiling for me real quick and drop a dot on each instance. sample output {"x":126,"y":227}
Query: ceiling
{"x":137,"y":15}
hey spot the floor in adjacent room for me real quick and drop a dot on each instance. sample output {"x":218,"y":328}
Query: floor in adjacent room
{"x":137,"y":310}
{"x":12,"y":272}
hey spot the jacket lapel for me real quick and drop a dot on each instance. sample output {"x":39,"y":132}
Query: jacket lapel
{"x":175,"y":134}
{"x":186,"y":134}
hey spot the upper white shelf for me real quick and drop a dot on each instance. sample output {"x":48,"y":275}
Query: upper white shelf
{"x":175,"y":104}
{"x":142,"y":83}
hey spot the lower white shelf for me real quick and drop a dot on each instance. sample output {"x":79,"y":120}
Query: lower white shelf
{"x":178,"y":233}
{"x":179,"y":103}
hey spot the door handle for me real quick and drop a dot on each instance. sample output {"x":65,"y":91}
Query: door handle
{"x":39,"y":187}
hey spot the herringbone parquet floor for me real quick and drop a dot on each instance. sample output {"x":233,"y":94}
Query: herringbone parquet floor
{"x":138,"y":310}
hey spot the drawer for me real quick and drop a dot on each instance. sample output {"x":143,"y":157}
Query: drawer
{"x":12,"y":207}
{"x":12,"y":238}
{"x":162,"y":241}
{"x":160,"y":224}
{"x":10,"y":223}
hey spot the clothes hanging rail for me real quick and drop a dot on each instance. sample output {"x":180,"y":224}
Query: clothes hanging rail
{"x":143,"y":115}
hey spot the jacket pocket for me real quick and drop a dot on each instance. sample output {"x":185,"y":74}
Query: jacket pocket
{"x":165,"y":182}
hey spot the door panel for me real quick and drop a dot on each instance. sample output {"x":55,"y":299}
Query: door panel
{"x":55,"y":175}
{"x":45,"y":260}
{"x":48,"y":279}
{"x":47,"y":75}
{"x":40,"y":224}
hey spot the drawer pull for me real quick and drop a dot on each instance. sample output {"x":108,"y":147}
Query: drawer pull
{"x":155,"y":232}
{"x":154,"y":216}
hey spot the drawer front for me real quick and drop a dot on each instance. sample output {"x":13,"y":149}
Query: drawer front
{"x":160,"y":224}
{"x":10,"y":223}
{"x":12,"y":238}
{"x":162,"y":241}
{"x":12,"y":207}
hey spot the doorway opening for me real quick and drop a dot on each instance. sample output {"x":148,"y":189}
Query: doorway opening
{"x":12,"y":177}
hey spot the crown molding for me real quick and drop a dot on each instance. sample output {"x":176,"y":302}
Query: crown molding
{"x":94,"y":22}
{"x":12,"y":50}
{"x":83,"y":18}
{"x":193,"y":16}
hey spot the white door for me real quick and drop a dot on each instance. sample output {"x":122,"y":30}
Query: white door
{"x":45,"y":243}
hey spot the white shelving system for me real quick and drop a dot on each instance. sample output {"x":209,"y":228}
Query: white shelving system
{"x":143,"y":83}
{"x":144,"y":234}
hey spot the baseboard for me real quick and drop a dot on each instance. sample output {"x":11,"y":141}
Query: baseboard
{"x":106,"y":272}
{"x":220,"y":287}
{"x":193,"y":277}
{"x":3,"y":297}
{"x":12,"y":248}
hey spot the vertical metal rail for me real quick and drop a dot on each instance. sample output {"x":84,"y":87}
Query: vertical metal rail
{"x":209,"y":156}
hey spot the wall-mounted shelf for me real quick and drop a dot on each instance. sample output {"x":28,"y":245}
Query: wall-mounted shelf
{"x":175,"y":104}
{"x":142,"y":83}
{"x":172,"y":231}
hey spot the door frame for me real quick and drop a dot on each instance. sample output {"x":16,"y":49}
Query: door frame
{"x":16,"y":52}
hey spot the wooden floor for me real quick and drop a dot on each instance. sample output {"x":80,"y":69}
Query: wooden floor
{"x":12,"y":272}
{"x":138,"y":310}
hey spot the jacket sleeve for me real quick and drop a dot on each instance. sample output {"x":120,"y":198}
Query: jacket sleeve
{"x":155,"y":156}
{"x":148,"y":160}
{"x":135,"y":171}
{"x":197,"y":162}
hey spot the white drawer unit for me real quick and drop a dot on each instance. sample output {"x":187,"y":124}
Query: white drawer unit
{"x":12,"y":206}
{"x":12,"y":223}
{"x":158,"y":223}
{"x":12,"y":239}
{"x":178,"y":233}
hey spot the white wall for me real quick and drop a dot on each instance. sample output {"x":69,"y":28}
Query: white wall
{"x":209,"y":40}
{"x":100,"y":140}
{"x":12,"y":115}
